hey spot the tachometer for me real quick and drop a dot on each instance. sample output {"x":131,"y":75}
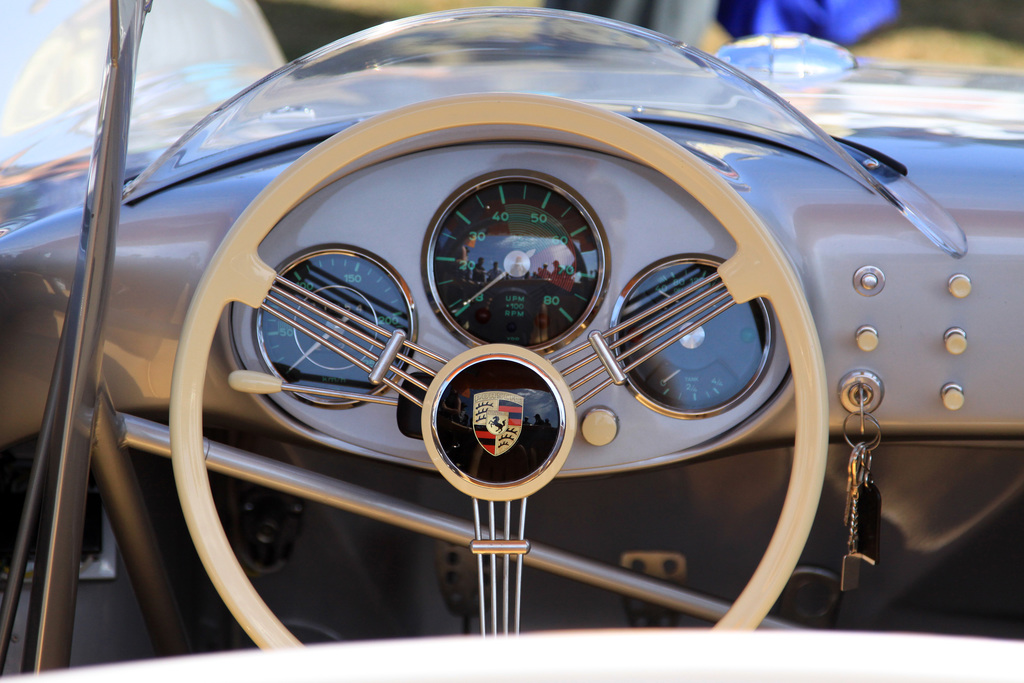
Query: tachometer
{"x":710,"y":368}
{"x":516,"y":259}
{"x":354,"y":281}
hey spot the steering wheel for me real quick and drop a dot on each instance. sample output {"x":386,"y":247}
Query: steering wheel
{"x":758,"y":268}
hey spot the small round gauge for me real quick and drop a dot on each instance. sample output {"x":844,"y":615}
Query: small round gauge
{"x":710,"y":368}
{"x":356,"y":282}
{"x":516,"y":259}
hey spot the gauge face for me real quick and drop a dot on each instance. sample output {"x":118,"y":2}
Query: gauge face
{"x":516,"y":260}
{"x":709,"y":368}
{"x":356,"y":282}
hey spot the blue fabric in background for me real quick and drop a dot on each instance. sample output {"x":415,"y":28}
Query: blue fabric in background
{"x":841,"y":21}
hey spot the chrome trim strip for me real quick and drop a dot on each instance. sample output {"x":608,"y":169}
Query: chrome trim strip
{"x":479,"y":570}
{"x":494,"y":571}
{"x":298,"y":308}
{"x":714,"y":308}
{"x":519,"y":563}
{"x":626,"y":324}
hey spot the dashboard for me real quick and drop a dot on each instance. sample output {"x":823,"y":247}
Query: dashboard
{"x":530,"y":244}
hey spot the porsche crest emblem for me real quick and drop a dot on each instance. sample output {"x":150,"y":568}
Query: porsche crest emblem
{"x":497,"y":420}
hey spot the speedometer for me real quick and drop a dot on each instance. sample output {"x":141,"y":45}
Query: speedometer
{"x":518,"y":259}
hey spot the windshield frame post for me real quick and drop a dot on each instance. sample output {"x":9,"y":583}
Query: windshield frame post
{"x":69,"y":422}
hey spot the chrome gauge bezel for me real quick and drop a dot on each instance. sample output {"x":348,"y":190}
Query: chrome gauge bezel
{"x":770,"y":332}
{"x":348,"y":251}
{"x":510,"y":176}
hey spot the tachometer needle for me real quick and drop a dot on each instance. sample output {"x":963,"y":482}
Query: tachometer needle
{"x":517,"y":260}
{"x":465,"y":304}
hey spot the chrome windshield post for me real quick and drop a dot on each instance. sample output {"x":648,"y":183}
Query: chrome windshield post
{"x":61,"y":464}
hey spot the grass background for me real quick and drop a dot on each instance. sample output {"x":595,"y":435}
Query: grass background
{"x":980,"y":32}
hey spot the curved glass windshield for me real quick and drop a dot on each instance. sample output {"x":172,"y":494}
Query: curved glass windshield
{"x":580,"y":57}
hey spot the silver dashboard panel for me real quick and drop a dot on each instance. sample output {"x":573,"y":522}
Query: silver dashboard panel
{"x":387,"y":209}
{"x":829,"y":226}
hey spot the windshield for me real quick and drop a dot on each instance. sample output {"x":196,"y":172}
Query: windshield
{"x":588,"y":59}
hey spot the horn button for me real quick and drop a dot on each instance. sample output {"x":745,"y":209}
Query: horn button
{"x":500,"y":421}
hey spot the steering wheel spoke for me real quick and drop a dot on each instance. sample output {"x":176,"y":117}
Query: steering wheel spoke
{"x":647,"y":333}
{"x":375,"y":350}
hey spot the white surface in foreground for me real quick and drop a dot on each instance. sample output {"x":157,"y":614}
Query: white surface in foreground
{"x":663,"y":655}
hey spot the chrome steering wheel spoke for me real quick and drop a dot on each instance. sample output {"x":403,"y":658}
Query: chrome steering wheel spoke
{"x":340,"y":331}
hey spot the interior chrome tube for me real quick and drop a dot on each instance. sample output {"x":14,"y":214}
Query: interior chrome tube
{"x":339,"y":314}
{"x":667,"y":315}
{"x":519,"y":564}
{"x":298,"y":308}
{"x":336,"y":349}
{"x":594,"y":391}
{"x":307,"y":313}
{"x":716,"y":285}
{"x":377,"y":329}
{"x":505,"y":568}
{"x":302,"y":310}
{"x":494,"y":571}
{"x":481,"y":597}
{"x":680,"y":328}
{"x":334,"y":393}
{"x":724,"y":303}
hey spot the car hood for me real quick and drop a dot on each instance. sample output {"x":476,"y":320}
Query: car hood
{"x":922,"y":101}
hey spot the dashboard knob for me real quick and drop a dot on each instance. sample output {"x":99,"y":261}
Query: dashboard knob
{"x":959,"y":285}
{"x":600,"y":426}
{"x":953,"y":396}
{"x":867,"y":338}
{"x":955,"y":340}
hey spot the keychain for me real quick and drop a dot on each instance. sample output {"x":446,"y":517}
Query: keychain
{"x":863,"y":513}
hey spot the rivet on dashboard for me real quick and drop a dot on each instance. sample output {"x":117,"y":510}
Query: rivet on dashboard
{"x":867,"y":338}
{"x":959,"y":285}
{"x":868,"y":280}
{"x":955,"y":340}
{"x":600,"y":426}
{"x":952,"y":396}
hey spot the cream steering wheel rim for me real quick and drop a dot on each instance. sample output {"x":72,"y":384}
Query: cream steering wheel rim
{"x":236,"y":273}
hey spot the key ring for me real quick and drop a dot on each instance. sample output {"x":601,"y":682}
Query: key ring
{"x":864,"y":417}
